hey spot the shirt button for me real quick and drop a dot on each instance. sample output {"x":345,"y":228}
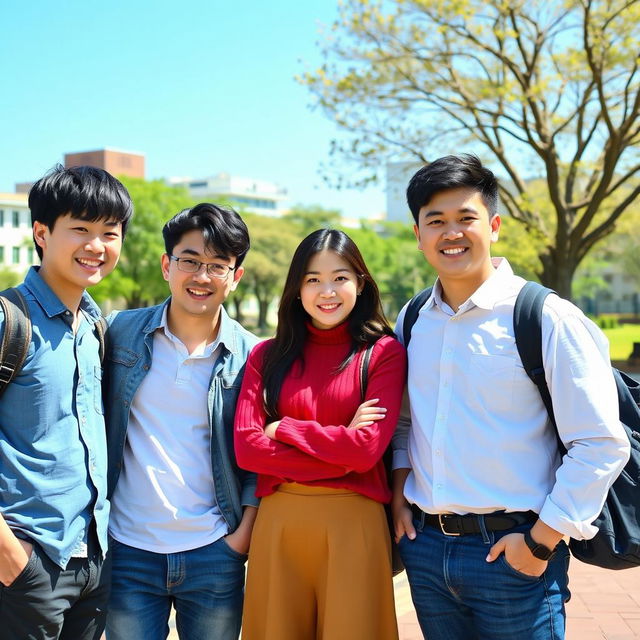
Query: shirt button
{"x":438,"y":452}
{"x":438,"y":486}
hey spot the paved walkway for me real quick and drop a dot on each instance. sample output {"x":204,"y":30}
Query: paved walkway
{"x":604,"y":604}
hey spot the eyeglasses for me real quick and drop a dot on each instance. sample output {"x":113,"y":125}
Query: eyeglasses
{"x":214,"y":269}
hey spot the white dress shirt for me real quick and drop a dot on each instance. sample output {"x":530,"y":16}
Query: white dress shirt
{"x":480,"y":438}
{"x":164,"y":500}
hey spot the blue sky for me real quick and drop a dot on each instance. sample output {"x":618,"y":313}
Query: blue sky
{"x":199,"y":87}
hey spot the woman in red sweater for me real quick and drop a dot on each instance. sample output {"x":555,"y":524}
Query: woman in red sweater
{"x":319,"y":564}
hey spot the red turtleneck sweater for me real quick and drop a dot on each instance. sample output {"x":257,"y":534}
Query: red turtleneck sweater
{"x":313,"y":445}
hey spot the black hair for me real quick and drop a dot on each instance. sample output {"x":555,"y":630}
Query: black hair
{"x":452,"y":172}
{"x":366,"y":321}
{"x":223,"y":230}
{"x":87,"y":193}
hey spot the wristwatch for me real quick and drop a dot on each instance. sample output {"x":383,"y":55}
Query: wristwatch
{"x":538,"y":550}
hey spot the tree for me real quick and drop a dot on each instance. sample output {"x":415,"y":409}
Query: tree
{"x":138,"y":278}
{"x":543,"y":88}
{"x":9,"y":278}
{"x":310,"y":218}
{"x":273,"y":242}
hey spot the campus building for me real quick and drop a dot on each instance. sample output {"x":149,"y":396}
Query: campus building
{"x":397,"y":179}
{"x":257,"y":196}
{"x":16,"y":245}
{"x":115,"y":161}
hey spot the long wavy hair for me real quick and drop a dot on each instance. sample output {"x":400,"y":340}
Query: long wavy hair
{"x":366,"y":321}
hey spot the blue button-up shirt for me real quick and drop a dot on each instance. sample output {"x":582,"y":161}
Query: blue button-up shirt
{"x":53,"y":457}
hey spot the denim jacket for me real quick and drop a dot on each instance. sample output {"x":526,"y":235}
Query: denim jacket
{"x":129,"y":353}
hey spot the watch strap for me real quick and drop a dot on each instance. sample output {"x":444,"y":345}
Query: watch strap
{"x":538,"y":550}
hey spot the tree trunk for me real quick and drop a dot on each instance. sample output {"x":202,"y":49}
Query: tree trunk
{"x":557,"y":274}
{"x":237,"y":306}
{"x":134,"y":302}
{"x":263,"y":308}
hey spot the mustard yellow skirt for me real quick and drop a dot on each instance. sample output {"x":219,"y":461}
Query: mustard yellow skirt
{"x":319,"y":568}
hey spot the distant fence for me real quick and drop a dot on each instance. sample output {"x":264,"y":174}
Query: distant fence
{"x":597,"y":306}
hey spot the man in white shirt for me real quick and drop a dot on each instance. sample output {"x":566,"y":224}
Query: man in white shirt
{"x":482,"y":497}
{"x":182,"y":511}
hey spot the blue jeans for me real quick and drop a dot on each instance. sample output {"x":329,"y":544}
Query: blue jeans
{"x":204,"y":585}
{"x":458,"y":595}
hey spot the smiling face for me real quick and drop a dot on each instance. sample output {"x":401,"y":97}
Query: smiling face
{"x":329,"y":289}
{"x":455,"y":233}
{"x":198,"y":294}
{"x":77,"y":254}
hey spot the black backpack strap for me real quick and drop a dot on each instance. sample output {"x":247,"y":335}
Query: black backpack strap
{"x":101,"y":332}
{"x":364,"y":369}
{"x":411,"y":314}
{"x":527,"y":329}
{"x":16,"y":336}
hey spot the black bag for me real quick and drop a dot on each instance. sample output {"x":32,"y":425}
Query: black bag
{"x":617,"y":543}
{"x":397,"y":566}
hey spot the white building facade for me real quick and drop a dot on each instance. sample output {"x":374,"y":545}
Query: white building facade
{"x":256,"y":196}
{"x":16,"y":245}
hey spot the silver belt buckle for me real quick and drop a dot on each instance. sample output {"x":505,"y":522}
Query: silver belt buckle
{"x":446,"y":533}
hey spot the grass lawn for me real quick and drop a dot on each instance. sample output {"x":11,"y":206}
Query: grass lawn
{"x":621,"y":340}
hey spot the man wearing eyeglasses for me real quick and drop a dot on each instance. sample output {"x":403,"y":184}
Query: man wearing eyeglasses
{"x":182,"y":510}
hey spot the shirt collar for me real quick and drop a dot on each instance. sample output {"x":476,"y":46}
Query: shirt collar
{"x":492,"y":290}
{"x":224,"y":337}
{"x":49,"y":301}
{"x":486,"y":296}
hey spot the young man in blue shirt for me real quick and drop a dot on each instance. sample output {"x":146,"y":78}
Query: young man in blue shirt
{"x":53,"y":459}
{"x":182,"y":510}
{"x":482,"y":495}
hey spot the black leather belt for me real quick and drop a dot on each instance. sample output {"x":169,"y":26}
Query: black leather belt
{"x":452,"y":524}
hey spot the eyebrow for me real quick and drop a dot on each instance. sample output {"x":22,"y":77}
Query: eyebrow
{"x":307,"y":273}
{"x":436,"y":212}
{"x":196,"y":254}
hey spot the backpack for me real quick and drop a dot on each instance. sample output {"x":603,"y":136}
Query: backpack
{"x":17,"y":335}
{"x":617,"y":543}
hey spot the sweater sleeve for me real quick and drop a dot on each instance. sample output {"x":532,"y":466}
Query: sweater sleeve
{"x":259,"y":453}
{"x":356,"y":449}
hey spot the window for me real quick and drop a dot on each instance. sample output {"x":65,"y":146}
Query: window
{"x":1,"y":255}
{"x":16,"y":218}
{"x":1,"y":217}
{"x":30,"y":255}
{"x":15,"y":255}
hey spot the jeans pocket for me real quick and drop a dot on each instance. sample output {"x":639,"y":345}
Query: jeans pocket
{"x":236,"y":554}
{"x":523,"y":576}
